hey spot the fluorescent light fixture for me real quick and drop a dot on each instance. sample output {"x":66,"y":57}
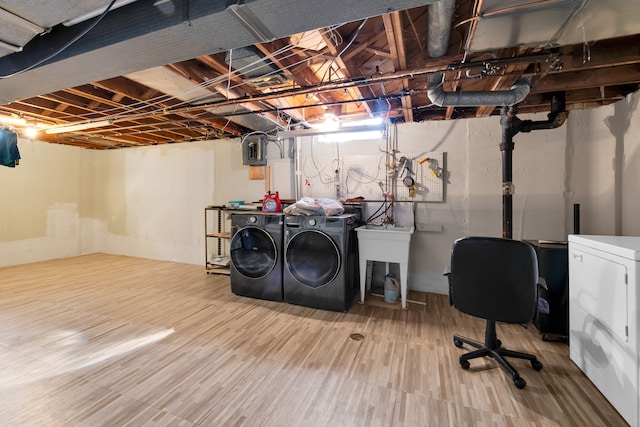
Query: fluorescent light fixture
{"x":77,"y":127}
{"x":312,"y":132}
{"x":95,"y":12}
{"x":350,"y":136}
{"x":12,"y":120}
{"x":249,"y":21}
{"x":374,"y":121}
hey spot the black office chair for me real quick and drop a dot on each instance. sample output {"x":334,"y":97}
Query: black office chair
{"x":497,"y":280}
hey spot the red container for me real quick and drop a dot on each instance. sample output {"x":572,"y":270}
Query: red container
{"x":271,"y":202}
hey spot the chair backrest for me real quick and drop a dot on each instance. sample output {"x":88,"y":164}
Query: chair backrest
{"x":494,"y":279}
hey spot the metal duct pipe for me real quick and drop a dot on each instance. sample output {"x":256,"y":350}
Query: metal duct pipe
{"x":439,"y":21}
{"x":501,"y":98}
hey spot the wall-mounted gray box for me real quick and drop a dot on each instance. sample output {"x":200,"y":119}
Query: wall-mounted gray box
{"x":254,"y":150}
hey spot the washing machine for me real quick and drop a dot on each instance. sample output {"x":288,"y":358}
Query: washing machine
{"x":255,"y":252}
{"x":321,"y":261}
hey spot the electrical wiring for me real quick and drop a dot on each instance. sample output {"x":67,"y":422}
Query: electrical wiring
{"x":288,"y":50}
{"x":373,"y":217}
{"x":154,"y":105}
{"x":353,"y":39}
{"x":328,"y":178}
{"x":65,"y":46}
{"x":228,"y":87}
{"x":321,"y":174}
{"x":353,"y":172}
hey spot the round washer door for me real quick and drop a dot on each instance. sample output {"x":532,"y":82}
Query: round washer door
{"x":312,"y":258}
{"x":253,"y":252}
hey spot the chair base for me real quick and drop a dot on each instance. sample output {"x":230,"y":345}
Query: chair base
{"x":492,"y":347}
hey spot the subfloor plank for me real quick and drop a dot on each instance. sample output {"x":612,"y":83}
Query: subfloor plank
{"x":112,"y":340}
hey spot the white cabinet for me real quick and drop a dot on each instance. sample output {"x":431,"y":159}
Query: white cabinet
{"x":604,"y":326}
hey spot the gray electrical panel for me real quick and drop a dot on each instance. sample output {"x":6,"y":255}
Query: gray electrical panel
{"x":254,"y":151}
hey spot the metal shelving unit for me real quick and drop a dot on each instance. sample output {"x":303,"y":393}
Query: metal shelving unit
{"x":216,"y":242}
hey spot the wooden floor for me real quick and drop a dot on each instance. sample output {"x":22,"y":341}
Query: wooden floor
{"x":104,"y":340}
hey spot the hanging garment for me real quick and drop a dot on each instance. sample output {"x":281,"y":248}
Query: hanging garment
{"x":9,"y":154}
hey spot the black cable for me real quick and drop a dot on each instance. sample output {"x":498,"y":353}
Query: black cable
{"x":72,"y":41}
{"x":380,"y":214}
{"x":374,"y":216}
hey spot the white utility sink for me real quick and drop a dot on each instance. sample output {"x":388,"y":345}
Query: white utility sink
{"x":386,"y":243}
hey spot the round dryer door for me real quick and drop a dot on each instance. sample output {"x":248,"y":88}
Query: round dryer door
{"x":312,"y":258}
{"x":253,"y":252}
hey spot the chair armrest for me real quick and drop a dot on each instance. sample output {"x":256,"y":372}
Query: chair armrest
{"x":447,"y":271}
{"x":543,"y":283}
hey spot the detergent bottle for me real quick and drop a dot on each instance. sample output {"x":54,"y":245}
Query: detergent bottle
{"x":271,"y":202}
{"x":391,"y":289}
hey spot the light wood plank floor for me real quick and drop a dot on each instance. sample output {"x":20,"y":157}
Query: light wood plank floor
{"x":103,"y":340}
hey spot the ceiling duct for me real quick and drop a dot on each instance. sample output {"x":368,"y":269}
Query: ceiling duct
{"x":142,"y":35}
{"x":440,"y":16}
{"x":439,"y":21}
{"x":502,"y":24}
{"x":502,"y":98}
{"x":248,"y":62}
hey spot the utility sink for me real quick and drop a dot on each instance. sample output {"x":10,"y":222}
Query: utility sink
{"x":386,"y":243}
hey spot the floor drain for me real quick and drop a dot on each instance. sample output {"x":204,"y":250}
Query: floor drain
{"x":356,"y":337}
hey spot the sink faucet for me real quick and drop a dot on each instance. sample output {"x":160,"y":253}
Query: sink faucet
{"x":388,"y":220}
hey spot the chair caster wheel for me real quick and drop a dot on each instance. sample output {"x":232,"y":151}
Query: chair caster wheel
{"x":535,"y":364}
{"x":519,"y":382}
{"x":464,"y":363}
{"x":457,"y":343}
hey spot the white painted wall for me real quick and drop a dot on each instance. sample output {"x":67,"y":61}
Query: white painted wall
{"x":553,"y":169}
{"x":473,"y":203}
{"x":148,"y":202}
{"x":603,"y":167}
{"x":40,"y":204}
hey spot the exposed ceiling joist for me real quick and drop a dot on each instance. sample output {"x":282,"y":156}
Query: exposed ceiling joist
{"x":147,"y":77}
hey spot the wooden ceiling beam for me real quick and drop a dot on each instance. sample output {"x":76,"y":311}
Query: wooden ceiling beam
{"x":213,"y":61}
{"x":191,"y":70}
{"x":582,"y":79}
{"x":359,"y":47}
{"x":601,"y":54}
{"x":137,"y":92}
{"x":304,"y":76}
{"x":395,"y":39}
{"x":103,"y":96}
{"x":51,"y":107}
{"x":352,"y":93}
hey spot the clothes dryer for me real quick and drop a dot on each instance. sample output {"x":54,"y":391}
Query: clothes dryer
{"x":321,"y":261}
{"x":256,"y":255}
